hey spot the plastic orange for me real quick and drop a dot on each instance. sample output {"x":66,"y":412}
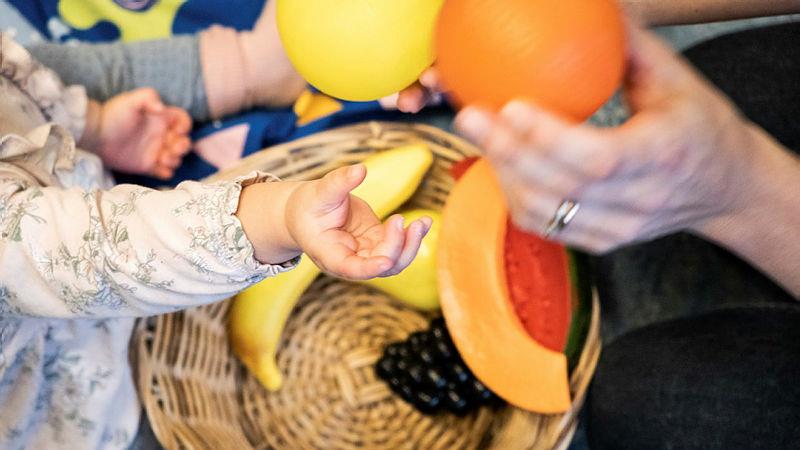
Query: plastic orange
{"x":565,"y":55}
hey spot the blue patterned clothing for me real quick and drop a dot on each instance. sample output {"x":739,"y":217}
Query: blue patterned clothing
{"x":132,"y":20}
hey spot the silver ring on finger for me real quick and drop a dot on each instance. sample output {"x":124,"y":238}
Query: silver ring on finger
{"x":563,"y":216}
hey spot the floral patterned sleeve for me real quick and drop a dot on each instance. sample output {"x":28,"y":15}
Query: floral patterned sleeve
{"x":127,"y":251}
{"x":72,"y":246}
{"x":64,"y":105}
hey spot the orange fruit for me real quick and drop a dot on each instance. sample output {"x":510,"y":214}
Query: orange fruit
{"x":567,"y":56}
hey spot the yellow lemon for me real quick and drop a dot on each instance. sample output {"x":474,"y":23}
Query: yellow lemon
{"x":358,"y":50}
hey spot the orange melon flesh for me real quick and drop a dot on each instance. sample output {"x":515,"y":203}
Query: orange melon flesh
{"x":476,"y":303}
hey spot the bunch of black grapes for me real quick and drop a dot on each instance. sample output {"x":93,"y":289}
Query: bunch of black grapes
{"x":426,"y":371}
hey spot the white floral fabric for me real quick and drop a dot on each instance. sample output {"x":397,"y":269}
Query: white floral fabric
{"x":81,"y":258}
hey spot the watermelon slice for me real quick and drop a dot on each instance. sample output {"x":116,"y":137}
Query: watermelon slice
{"x":549,"y":285}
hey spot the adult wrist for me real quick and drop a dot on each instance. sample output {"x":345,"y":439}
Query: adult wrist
{"x":765,"y":214}
{"x":683,"y":12}
{"x":749,"y":190}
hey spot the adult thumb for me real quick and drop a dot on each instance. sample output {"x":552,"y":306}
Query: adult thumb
{"x":654,"y":71}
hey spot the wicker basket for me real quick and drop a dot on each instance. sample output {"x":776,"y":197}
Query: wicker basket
{"x":198,"y":396}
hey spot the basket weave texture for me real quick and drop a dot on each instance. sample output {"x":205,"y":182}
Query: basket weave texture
{"x":198,"y":396}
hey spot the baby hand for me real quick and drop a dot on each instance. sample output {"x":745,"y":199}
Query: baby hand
{"x":136,"y":133}
{"x":342,"y":234}
{"x":427,"y":91}
{"x":337,"y":230}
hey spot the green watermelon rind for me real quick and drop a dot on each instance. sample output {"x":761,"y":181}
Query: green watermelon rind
{"x":581,"y":282}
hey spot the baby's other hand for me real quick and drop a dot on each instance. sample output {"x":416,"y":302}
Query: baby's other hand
{"x":136,"y":133}
{"x":424,"y":92}
{"x":342,"y":234}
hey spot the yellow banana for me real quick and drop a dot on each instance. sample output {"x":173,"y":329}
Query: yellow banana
{"x":416,"y":285}
{"x":259,"y":313}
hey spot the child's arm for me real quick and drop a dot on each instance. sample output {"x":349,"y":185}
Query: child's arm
{"x":127,"y":251}
{"x":132,"y":251}
{"x":337,"y":230}
{"x":88,"y":252}
{"x":248,"y":68}
{"x":218,"y":72}
{"x":170,"y":66}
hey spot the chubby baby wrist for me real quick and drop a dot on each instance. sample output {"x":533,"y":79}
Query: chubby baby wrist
{"x":262,"y":214}
{"x":90,"y":139}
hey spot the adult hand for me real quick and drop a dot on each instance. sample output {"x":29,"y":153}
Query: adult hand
{"x":680,"y":159}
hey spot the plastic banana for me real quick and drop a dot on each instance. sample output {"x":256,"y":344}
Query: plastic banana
{"x":259,"y":313}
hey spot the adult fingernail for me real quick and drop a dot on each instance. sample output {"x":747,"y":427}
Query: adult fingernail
{"x":473,"y":123}
{"x":518,"y":114}
{"x":514,"y":108}
{"x":399,"y":223}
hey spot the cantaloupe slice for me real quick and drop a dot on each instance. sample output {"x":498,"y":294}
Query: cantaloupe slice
{"x":476,"y":305}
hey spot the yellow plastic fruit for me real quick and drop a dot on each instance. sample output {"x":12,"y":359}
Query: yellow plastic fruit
{"x":393,"y":176}
{"x":258,"y":314}
{"x":358,"y":50}
{"x":416,"y":285}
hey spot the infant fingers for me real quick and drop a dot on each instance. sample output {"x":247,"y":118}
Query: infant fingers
{"x":147,"y":100}
{"x":412,"y":99}
{"x":360,"y":268}
{"x":180,"y":145}
{"x":424,"y":92}
{"x":180,"y":121}
{"x":162,"y":172}
{"x":341,"y":261}
{"x":413,"y":239}
{"x":392,"y":242}
{"x":167,"y":159}
{"x":431,"y":80}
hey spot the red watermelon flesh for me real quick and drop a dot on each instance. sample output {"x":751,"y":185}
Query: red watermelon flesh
{"x":537,"y":273}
